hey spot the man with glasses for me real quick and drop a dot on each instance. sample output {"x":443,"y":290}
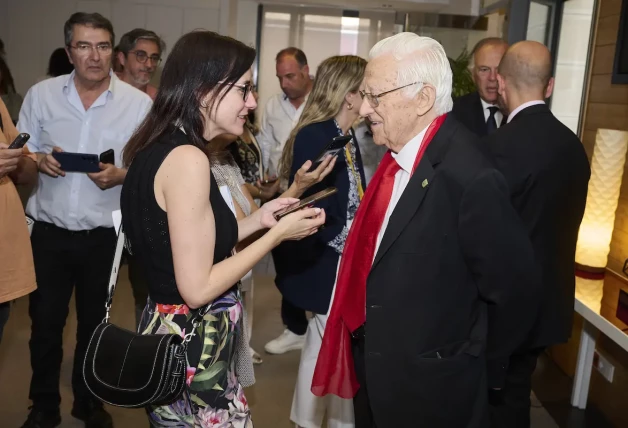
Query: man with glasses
{"x":139,"y":55}
{"x":73,"y":238}
{"x":439,"y":287}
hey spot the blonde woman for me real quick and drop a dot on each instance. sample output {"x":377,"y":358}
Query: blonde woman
{"x":308,"y":272}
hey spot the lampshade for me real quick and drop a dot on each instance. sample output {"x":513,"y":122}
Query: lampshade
{"x":590,"y":292}
{"x":607,"y":169}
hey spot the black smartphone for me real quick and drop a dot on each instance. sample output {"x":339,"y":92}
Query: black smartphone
{"x":337,"y":144}
{"x":77,"y":162}
{"x":108,"y":157}
{"x":19,"y":141}
{"x":303,"y":203}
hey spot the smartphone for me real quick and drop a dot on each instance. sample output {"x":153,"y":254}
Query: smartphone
{"x":304,"y":203}
{"x":108,"y":157}
{"x":19,"y":141}
{"x":77,"y":162}
{"x":337,"y":144}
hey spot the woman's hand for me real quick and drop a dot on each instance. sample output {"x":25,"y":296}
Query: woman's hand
{"x":303,"y":179}
{"x":299,"y":224}
{"x":267,"y":191}
{"x":266,"y":211}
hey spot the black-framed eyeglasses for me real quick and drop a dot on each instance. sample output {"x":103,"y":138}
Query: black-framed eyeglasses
{"x":246,"y":89}
{"x":142,"y":57}
{"x":87,"y":48}
{"x":373,"y":99}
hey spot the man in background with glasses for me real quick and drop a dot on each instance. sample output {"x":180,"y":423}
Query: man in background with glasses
{"x":73,"y":239}
{"x":139,"y":54}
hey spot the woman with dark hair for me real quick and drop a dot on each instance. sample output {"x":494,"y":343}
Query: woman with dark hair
{"x":9,"y":95}
{"x":182,"y":232}
{"x":59,"y":64}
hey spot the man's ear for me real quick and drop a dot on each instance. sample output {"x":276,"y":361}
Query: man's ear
{"x":121,"y":58}
{"x":549,"y":89}
{"x":427,"y":98}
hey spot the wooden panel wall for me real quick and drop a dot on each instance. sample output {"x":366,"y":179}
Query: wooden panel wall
{"x":608,"y":108}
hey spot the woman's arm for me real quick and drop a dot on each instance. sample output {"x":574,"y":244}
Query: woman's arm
{"x":192,"y":229}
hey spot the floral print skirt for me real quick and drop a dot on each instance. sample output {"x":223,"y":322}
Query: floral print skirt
{"x":214,"y":397}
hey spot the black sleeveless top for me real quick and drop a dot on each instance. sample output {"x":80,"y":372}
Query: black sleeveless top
{"x":146,"y":224}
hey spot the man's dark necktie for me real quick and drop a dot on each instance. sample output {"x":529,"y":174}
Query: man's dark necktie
{"x":491,"y":123}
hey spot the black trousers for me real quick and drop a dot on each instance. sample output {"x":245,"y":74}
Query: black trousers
{"x":66,"y":261}
{"x":294,"y":318}
{"x":361,"y":405}
{"x":511,"y":407}
{"x":5,"y":309}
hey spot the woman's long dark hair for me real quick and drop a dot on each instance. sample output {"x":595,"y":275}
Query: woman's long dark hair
{"x":7,"y":85}
{"x":200,"y":62}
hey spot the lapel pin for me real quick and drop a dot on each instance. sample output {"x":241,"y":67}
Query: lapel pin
{"x":425,"y":183}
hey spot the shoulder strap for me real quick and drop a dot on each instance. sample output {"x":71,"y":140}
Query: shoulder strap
{"x":115,"y":270}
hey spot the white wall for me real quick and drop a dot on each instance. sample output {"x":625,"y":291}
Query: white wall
{"x":571,"y":62}
{"x":32,"y":29}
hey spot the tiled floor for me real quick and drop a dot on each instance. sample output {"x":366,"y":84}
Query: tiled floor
{"x":270,"y":398}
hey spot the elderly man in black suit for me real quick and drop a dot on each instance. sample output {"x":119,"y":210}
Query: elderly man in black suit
{"x":478,"y":110}
{"x":435,"y":247}
{"x":547,"y":172}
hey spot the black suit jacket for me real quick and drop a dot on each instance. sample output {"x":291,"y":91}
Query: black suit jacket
{"x":547,"y":171}
{"x":469,"y":111}
{"x":454,"y":247}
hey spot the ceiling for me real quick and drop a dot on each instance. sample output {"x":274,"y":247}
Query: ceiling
{"x":453,"y":7}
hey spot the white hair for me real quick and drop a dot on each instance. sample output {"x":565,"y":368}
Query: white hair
{"x":421,"y":59}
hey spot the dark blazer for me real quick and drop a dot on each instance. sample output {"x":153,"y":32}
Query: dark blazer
{"x":307,"y":268}
{"x":547,"y":171}
{"x":452,"y":249}
{"x":469,"y":111}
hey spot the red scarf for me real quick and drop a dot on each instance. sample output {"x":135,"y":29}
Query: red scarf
{"x":334,"y":372}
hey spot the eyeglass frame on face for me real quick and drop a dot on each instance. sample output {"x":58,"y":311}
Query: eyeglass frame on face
{"x":84,"y":48}
{"x":155,"y":59}
{"x":249,"y":88}
{"x":373,"y":99}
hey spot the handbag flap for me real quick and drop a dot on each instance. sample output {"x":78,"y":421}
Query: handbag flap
{"x":142,"y":362}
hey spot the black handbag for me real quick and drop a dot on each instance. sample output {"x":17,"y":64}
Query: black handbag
{"x":127,"y":369}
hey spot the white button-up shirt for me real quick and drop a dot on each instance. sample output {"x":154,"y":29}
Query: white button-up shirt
{"x":405,"y":158}
{"x":53,"y":115}
{"x":279,"y":118}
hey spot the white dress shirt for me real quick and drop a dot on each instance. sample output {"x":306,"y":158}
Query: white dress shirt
{"x":498,"y":114}
{"x":405,"y":158}
{"x":279,"y":117}
{"x":522,"y":106}
{"x":53,"y":115}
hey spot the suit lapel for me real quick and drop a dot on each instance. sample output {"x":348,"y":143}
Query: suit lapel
{"x":408,"y":205}
{"x":480,"y":121}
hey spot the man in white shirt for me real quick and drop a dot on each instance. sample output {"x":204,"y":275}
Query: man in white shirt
{"x":282,"y":111}
{"x":479,"y":111}
{"x":73,"y":239}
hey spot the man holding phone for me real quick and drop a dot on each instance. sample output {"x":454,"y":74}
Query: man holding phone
{"x":73,"y":239}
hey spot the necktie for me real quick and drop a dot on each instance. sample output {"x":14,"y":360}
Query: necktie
{"x":491,"y":123}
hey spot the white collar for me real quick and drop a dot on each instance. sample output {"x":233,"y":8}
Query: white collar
{"x":486,"y":105}
{"x":407,"y":155}
{"x":522,"y":106}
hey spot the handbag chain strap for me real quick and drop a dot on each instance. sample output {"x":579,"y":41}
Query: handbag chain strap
{"x":113,"y":279}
